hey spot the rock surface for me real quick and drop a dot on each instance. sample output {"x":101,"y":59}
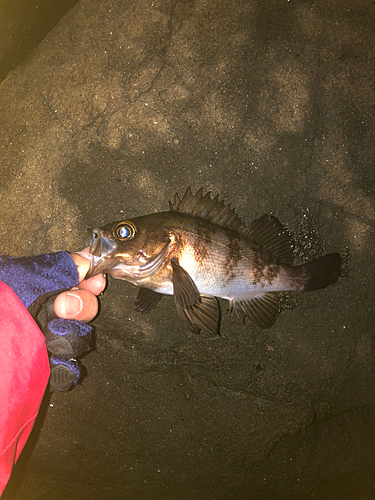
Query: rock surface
{"x":270,"y":104}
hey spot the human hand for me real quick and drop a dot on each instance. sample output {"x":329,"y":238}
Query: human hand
{"x":37,"y":281}
{"x":80,"y":302}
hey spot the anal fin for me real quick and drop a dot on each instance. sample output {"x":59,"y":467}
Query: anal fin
{"x":262,"y":309}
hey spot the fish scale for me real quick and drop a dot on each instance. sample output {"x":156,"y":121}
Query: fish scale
{"x":219,"y":275}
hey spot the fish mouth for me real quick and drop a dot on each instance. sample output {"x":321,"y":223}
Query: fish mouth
{"x":101,"y":250}
{"x":98,"y":265}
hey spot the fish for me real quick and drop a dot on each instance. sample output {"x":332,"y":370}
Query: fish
{"x":200,"y":250}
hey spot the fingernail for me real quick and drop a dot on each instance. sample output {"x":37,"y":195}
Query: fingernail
{"x":73,"y":304}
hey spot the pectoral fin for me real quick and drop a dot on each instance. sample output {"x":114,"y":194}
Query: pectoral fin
{"x":185,"y":318}
{"x":262,"y":309}
{"x":203,"y":316}
{"x":146,"y":300}
{"x":185,"y":292}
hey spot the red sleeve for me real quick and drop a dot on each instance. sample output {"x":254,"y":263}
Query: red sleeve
{"x":24,"y":373}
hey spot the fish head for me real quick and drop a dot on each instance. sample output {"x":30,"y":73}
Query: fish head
{"x":130,"y":249}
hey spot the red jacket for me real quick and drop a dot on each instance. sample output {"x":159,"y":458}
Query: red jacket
{"x":24,"y":374}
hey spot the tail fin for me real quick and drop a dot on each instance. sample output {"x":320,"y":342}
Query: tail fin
{"x":322,"y":272}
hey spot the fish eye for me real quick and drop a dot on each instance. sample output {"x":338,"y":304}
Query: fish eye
{"x":125,"y":231}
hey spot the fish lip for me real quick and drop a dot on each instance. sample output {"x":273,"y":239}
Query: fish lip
{"x":100,"y":243}
{"x":100,"y":249}
{"x":97,"y":265}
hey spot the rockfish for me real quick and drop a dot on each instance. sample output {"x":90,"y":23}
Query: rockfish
{"x":201,"y":250}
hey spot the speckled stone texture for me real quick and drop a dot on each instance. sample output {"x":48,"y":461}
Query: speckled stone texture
{"x":270,"y":104}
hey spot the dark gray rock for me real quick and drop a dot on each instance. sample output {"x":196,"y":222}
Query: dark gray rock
{"x":270,"y":104}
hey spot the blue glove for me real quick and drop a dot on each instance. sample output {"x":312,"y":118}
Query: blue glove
{"x":37,"y":281}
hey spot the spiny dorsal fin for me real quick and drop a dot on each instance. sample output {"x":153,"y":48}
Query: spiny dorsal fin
{"x":209,"y":208}
{"x":270,"y":233}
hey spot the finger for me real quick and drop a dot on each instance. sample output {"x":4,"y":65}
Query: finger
{"x":84,"y":253}
{"x":81,"y":305}
{"x":83,"y":265}
{"x":95,"y":285}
